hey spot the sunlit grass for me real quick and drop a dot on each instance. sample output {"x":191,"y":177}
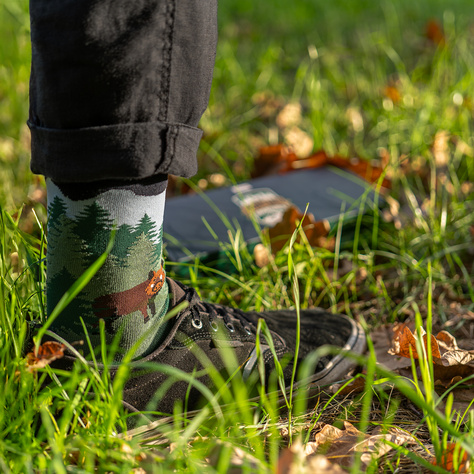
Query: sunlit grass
{"x":335,"y":59}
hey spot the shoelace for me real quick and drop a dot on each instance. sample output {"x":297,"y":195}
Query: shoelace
{"x":215,"y":312}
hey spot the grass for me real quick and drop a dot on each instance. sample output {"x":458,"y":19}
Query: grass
{"x":336,"y":60}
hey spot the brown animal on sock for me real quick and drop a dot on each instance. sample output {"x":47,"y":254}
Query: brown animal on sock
{"x":129,"y":301}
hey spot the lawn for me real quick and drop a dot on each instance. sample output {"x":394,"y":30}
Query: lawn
{"x":390,"y":82}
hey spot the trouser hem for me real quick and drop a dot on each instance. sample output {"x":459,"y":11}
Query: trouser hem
{"x":122,"y":151}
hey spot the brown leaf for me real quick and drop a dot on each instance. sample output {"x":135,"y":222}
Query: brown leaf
{"x":261,"y":255}
{"x":382,"y":338}
{"x":440,"y":148}
{"x":450,"y":362}
{"x":280,"y":159}
{"x":392,"y":93}
{"x":299,"y":141}
{"x":404,"y":344}
{"x":450,"y":455}
{"x":316,"y":231}
{"x":316,"y":160}
{"x":46,"y":353}
{"x":371,"y":171}
{"x":285,"y":461}
{"x":356,"y":386}
{"x":341,"y":445}
{"x":320,"y":464}
{"x":434,"y":32}
{"x":273,"y":159}
{"x":290,"y":115}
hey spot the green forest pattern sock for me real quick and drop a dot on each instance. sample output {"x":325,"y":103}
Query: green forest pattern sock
{"x":129,"y":292}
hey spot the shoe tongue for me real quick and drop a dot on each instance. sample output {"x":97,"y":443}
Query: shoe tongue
{"x":177,"y":293}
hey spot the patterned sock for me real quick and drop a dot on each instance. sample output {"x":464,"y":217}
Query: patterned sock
{"x":129,"y":292}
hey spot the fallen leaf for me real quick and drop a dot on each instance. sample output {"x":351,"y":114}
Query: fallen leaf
{"x":320,"y":464}
{"x":281,"y":159}
{"x":392,"y":93}
{"x":440,"y":148}
{"x":300,"y":142}
{"x":355,"y":119}
{"x":404,"y":343}
{"x":46,"y":353}
{"x":261,"y":255}
{"x":239,"y":460}
{"x":289,"y":116}
{"x":267,"y":103}
{"x":340,"y":446}
{"x":454,"y":459}
{"x":356,"y":386}
{"x":450,"y":362}
{"x":294,"y":460}
{"x":382,"y":338}
{"x":273,"y":159}
{"x":285,"y":461}
{"x":371,"y":171}
{"x":316,"y":231}
{"x":434,"y":32}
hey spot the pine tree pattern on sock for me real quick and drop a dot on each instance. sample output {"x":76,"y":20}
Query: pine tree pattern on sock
{"x":129,"y":291}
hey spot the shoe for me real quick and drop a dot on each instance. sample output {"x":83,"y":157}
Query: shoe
{"x":212,"y":328}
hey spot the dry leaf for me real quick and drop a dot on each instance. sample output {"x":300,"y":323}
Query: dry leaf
{"x":261,"y":255}
{"x":285,"y":461}
{"x":450,"y":455}
{"x":289,"y":116}
{"x":267,"y":103}
{"x":392,"y":93}
{"x":450,"y":362}
{"x":316,"y":232}
{"x":46,"y":353}
{"x":300,"y":142}
{"x":280,"y":159}
{"x":341,"y":445}
{"x":404,"y":344}
{"x":440,"y":148}
{"x":320,"y":464}
{"x":355,"y":119}
{"x":371,"y":171}
{"x":356,"y":386}
{"x":273,"y":159}
{"x":294,"y":460}
{"x":434,"y":32}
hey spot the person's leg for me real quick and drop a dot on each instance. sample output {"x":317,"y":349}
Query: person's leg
{"x":117,"y":90}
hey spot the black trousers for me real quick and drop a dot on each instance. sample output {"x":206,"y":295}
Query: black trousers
{"x":118,"y":87}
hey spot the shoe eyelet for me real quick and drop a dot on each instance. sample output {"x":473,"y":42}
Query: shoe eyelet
{"x":197,"y":323}
{"x":213,"y":325}
{"x":247,"y":330}
{"x":230,"y":327}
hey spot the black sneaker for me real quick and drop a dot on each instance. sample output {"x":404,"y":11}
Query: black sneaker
{"x":210,"y":328}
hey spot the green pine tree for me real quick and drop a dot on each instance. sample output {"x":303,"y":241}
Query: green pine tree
{"x":146,"y":226}
{"x":159,"y":245}
{"x":124,"y":238}
{"x":56,"y":209}
{"x":69,"y":317}
{"x":141,"y":259}
{"x":94,"y":226}
{"x":65,"y":246}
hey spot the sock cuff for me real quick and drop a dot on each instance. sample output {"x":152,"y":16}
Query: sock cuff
{"x":151,"y":186}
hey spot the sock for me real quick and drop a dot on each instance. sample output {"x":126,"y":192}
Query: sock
{"x":129,"y":292}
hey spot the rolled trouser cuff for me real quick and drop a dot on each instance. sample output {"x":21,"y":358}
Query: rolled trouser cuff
{"x":124,"y":151}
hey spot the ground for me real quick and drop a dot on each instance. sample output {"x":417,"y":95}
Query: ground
{"x":389,"y":82}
